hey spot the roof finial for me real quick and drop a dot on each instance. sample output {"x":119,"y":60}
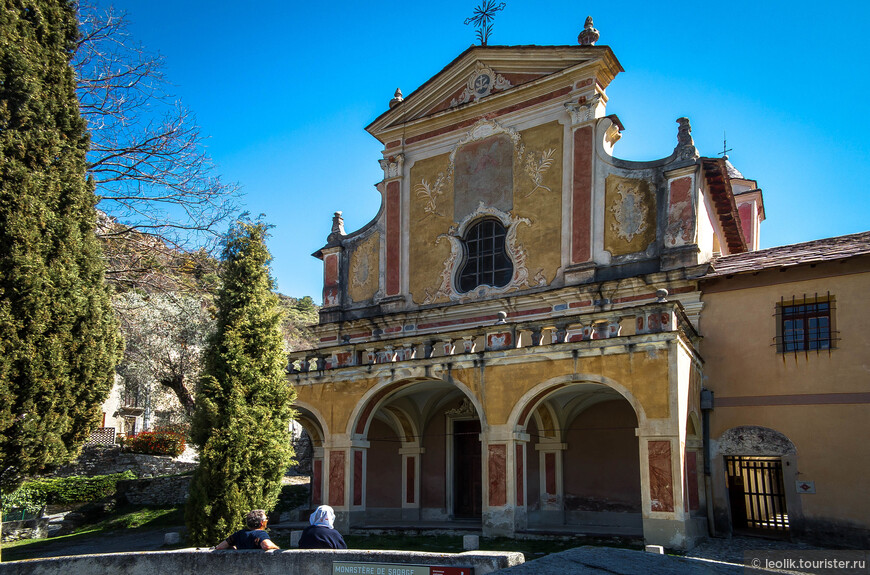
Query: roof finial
{"x":337,"y":231}
{"x":589,"y":35}
{"x":397,"y":97}
{"x":482,"y":19}
{"x":685,"y":144}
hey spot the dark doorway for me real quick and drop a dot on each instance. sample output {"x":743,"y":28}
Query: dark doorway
{"x":757,"y":495}
{"x":467,"y":485}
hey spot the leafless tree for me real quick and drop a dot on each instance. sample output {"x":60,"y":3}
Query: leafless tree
{"x":147,"y":154}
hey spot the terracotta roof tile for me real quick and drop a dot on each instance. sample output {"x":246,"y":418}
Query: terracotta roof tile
{"x":828,"y":249}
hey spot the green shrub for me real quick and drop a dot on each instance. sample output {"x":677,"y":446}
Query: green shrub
{"x":20,"y":500}
{"x":33,"y":494}
{"x":157,"y":442}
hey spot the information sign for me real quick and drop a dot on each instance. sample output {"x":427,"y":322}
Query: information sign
{"x":357,"y":568}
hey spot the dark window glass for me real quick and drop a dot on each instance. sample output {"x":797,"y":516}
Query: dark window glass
{"x":806,"y":326}
{"x":487,"y":262}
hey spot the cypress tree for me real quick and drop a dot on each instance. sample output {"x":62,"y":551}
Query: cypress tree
{"x":243,"y":404}
{"x":58,"y":336}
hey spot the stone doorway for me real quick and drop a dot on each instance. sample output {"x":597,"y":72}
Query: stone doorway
{"x":756,"y":495}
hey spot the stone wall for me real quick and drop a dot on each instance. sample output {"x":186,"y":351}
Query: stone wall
{"x":103,"y":460}
{"x":157,"y":491}
{"x":304,"y":455}
{"x":284,"y":562}
{"x":27,"y":529}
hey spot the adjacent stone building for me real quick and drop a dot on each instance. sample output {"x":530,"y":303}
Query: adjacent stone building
{"x":526,"y":335}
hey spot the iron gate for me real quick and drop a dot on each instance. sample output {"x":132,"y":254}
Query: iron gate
{"x":757,"y":495}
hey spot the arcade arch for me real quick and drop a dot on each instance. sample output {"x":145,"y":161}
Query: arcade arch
{"x":582,"y":457}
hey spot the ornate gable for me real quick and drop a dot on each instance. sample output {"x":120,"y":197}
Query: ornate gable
{"x":485,"y":73}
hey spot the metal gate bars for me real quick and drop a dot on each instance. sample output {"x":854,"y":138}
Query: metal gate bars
{"x":756,"y":493}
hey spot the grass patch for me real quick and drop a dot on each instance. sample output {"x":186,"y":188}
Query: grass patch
{"x":142,"y":517}
{"x":128,"y":519}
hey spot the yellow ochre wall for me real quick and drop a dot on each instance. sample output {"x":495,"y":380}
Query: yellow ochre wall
{"x":738,"y":325}
{"x":542,"y":204}
{"x":643,"y":374}
{"x":364,"y":272}
{"x":426,"y":253}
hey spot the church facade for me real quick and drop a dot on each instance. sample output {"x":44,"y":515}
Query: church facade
{"x":514,"y":341}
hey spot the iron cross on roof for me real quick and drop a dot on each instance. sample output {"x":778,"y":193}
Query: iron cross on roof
{"x":725,"y":148}
{"x":482,"y":18}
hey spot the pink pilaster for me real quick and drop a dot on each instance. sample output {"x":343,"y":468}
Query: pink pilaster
{"x":661,"y":484}
{"x":581,"y":197}
{"x":393,"y":238}
{"x":497,"y":475}
{"x":336,"y":478}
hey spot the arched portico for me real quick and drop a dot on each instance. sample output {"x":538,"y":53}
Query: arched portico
{"x":402,"y":457}
{"x":313,"y":424}
{"x":577,"y":458}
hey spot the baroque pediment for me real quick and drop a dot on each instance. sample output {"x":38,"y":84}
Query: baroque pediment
{"x":484,"y":73}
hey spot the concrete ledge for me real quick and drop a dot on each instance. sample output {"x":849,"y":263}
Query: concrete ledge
{"x":283,"y":562}
{"x":611,"y":561}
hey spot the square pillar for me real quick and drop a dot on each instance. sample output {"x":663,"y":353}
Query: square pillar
{"x":504,"y":509}
{"x":317,"y":477}
{"x":552,"y":489}
{"x":411,"y":464}
{"x":667,"y":519}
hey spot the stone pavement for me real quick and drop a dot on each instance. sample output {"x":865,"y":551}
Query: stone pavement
{"x":712,"y":557}
{"x":732,"y":550}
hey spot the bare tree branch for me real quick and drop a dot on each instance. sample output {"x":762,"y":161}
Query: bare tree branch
{"x":147,"y":154}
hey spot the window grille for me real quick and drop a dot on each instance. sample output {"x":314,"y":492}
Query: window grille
{"x":486,"y":262}
{"x":102,"y":436}
{"x":805,"y":324}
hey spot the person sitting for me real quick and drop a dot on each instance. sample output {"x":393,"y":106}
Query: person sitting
{"x":254,"y":537}
{"x":321,"y":534}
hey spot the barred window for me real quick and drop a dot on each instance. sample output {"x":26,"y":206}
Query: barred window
{"x":486,"y":260}
{"x":806,"y":324}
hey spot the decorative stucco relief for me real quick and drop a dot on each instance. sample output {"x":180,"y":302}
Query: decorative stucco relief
{"x":516,"y":253}
{"x":392,"y":166}
{"x":364,"y":263}
{"x":630,"y":211}
{"x":536,"y":165}
{"x":482,"y":82}
{"x":629,"y":215}
{"x":430,"y":192}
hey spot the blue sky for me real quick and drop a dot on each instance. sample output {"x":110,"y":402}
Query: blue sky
{"x":284,"y":89}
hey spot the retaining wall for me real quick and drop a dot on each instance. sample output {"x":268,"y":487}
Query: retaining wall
{"x":283,"y":562}
{"x":26,"y":529}
{"x":102,"y":460}
{"x":158,"y":491}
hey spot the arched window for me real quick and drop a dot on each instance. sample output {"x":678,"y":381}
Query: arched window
{"x":486,"y":260}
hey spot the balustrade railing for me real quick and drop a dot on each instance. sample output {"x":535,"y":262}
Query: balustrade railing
{"x":638,"y":320}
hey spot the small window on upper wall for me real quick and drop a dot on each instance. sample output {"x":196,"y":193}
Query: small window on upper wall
{"x":805,"y":324}
{"x":486,"y":259}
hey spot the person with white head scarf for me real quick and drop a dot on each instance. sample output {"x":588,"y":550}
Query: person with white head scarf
{"x":321,"y":534}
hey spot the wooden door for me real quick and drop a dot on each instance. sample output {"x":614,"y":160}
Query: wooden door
{"x":467,"y":482}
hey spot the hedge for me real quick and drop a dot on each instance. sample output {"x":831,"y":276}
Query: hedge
{"x":33,"y":494}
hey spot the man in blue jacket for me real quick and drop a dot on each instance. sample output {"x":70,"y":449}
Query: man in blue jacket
{"x":254,"y":537}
